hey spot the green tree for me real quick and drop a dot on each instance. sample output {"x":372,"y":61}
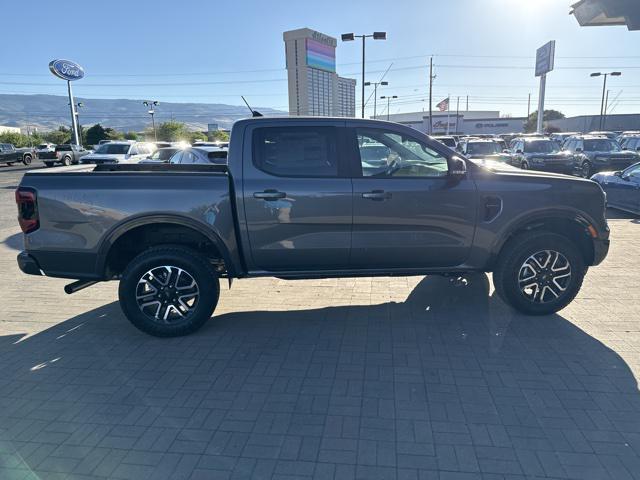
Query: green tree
{"x":95,"y":134}
{"x":219,"y":136}
{"x":60,"y":136}
{"x":196,"y":137}
{"x":131,"y":136}
{"x":18,"y":139}
{"x":172,"y":131}
{"x":532,"y":122}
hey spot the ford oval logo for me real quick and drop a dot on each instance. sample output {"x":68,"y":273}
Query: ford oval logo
{"x":66,"y":69}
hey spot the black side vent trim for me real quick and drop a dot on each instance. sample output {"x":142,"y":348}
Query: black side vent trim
{"x":492,"y":208}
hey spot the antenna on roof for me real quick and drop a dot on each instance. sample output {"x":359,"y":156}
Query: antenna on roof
{"x":254,"y":113}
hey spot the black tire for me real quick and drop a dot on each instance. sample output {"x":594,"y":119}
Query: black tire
{"x":9,"y":164}
{"x":586,"y":170}
{"x":66,"y":160}
{"x":26,"y":160}
{"x":135,"y":282}
{"x":509,"y":275}
{"x":48,"y":164}
{"x":524,"y":166}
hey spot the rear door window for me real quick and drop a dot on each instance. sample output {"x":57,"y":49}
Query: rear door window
{"x":296,"y":151}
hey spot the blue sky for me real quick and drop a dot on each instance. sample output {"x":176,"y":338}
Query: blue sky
{"x":215,"y":51}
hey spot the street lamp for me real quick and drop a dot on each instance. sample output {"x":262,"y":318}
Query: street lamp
{"x":151,"y":104}
{"x":349,"y":37}
{"x":375,"y":93}
{"x":388,"y":102}
{"x":78,"y":126}
{"x":604,"y":89}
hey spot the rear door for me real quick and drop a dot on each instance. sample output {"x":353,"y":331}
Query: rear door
{"x":297,"y":196}
{"x":408,"y":212}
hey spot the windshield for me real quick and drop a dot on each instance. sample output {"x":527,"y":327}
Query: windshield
{"x":482,"y":148}
{"x":113,"y":148}
{"x":44,"y":145}
{"x":541,"y":146}
{"x":601,"y":145}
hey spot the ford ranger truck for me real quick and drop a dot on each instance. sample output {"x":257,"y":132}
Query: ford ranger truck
{"x":298,"y":199}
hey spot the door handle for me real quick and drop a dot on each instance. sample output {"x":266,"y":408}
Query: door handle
{"x":378,"y":195}
{"x":269,"y":195}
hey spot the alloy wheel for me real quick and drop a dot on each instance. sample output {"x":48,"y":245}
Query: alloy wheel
{"x":544,"y":276}
{"x":167,"y":294}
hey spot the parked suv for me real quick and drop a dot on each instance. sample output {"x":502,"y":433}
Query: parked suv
{"x":593,"y":153}
{"x":483,"y":149}
{"x":117,"y":152}
{"x":541,"y":154}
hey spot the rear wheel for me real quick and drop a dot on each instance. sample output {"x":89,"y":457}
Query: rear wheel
{"x":66,"y":160}
{"x":585,"y":169}
{"x":524,"y":166}
{"x":26,"y":160}
{"x":169,"y":291}
{"x":539,"y":273}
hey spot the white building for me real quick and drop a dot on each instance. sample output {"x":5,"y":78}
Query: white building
{"x":314,"y":87}
{"x":472,"y":122}
{"x":5,"y":129}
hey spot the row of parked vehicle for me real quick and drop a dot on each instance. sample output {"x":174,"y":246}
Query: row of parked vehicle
{"x":609,"y":158}
{"x":117,"y":152}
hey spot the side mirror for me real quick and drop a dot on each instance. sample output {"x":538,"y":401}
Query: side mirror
{"x":518,"y":151}
{"x":457,"y":167}
{"x":617,"y":174}
{"x":578,"y":149}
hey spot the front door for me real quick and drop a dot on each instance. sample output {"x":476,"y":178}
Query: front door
{"x":408,"y":212}
{"x":297,"y":197}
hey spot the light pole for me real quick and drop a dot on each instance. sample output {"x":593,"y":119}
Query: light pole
{"x":604,"y":90}
{"x":375,"y":94}
{"x":151,"y":104}
{"x":349,"y":37}
{"x":78,"y":126}
{"x":388,"y":97}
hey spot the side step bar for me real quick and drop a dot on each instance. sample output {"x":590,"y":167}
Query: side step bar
{"x":79,"y":285}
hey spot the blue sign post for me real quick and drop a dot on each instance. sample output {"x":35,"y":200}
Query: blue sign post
{"x":69,"y":71}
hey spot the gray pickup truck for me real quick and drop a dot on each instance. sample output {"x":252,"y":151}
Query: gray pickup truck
{"x":309,"y":198}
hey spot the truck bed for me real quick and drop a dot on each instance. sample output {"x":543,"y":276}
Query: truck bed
{"x":132,"y":168}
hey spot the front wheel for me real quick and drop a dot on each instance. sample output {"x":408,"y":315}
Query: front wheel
{"x":585,"y":170}
{"x":539,"y":273}
{"x":169,"y":291}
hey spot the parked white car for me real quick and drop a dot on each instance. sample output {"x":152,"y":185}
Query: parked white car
{"x":120,"y":152}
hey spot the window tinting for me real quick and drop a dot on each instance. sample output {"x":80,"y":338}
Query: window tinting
{"x":296,"y":151}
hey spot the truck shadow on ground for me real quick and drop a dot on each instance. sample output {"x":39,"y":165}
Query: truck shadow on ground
{"x":448,"y":380}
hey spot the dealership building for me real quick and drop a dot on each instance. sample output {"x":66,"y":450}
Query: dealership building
{"x":463,"y":123}
{"x":315,"y":89}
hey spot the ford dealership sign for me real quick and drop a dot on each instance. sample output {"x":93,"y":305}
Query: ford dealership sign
{"x":66,"y":70}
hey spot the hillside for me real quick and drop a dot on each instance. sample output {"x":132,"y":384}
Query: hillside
{"x":47,"y":112}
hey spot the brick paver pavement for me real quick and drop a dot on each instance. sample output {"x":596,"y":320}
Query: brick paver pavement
{"x":384,"y":378}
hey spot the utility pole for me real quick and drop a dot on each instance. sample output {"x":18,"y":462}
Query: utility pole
{"x":529,"y":107}
{"x":388,"y":97}
{"x":375,"y":94}
{"x":606,"y":106}
{"x":431,"y":77}
{"x":467,"y":103}
{"x":604,"y":91}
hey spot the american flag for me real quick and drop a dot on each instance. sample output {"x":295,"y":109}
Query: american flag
{"x":443,"y":105}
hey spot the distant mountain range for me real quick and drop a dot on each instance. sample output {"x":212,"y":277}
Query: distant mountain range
{"x":48,"y":112}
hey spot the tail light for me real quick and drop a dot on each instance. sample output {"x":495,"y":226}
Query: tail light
{"x":27,"y":201}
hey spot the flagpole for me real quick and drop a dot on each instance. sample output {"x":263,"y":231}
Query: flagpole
{"x":448,"y":111}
